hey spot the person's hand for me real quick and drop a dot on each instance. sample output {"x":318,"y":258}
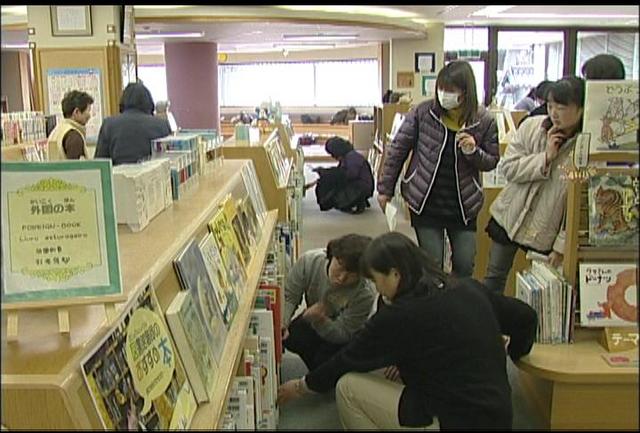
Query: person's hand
{"x":555,"y":138}
{"x":506,"y":339}
{"x":555,"y":259}
{"x":315,"y":313}
{"x":391,"y":372}
{"x":383,"y":200}
{"x":466,"y":142}
{"x":289,"y":390}
{"x":285,"y":333}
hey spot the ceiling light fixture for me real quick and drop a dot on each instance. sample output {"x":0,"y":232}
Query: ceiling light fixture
{"x":158,"y":7}
{"x":15,"y":46}
{"x":169,"y":35}
{"x":490,"y":11}
{"x":553,"y":15}
{"x":14,"y":10}
{"x":364,"y":10}
{"x":299,"y":47}
{"x":320,"y":37}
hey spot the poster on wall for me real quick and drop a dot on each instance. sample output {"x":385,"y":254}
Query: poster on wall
{"x":429,"y":85}
{"x":611,"y":115}
{"x":59,"y":232}
{"x":61,"y":81}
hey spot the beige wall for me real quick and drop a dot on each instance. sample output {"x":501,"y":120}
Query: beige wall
{"x":403,"y":57}
{"x":39,"y":17}
{"x":11,"y":80}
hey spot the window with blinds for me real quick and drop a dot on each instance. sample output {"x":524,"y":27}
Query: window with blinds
{"x":622,"y":45}
{"x":319,"y":83}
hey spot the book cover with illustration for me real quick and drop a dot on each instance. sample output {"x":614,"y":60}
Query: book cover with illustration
{"x":248,"y":220}
{"x":225,"y":292}
{"x":194,"y":348}
{"x":254,"y":189}
{"x":227,"y":244}
{"x":613,"y":210}
{"x":230,"y":210}
{"x":608,"y":294}
{"x":134,"y":375}
{"x":195,"y":278}
{"x":611,"y":115}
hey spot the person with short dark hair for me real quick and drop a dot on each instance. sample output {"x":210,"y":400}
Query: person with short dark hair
{"x":451,"y":139}
{"x":348,"y":186}
{"x":68,"y":138}
{"x":603,"y":67}
{"x":440,"y":340}
{"x":126,"y":137}
{"x":540,"y":94}
{"x":529,"y":211}
{"x":338,"y":299}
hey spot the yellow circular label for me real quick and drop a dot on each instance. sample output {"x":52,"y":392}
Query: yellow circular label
{"x":150,"y":355}
{"x":223,"y":57}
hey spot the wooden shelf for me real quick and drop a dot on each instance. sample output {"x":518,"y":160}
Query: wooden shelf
{"x":209,"y":415}
{"x":608,"y":253}
{"x":42,"y":382}
{"x":275,"y":194}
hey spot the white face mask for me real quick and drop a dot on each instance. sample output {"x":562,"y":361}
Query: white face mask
{"x":448,"y":100}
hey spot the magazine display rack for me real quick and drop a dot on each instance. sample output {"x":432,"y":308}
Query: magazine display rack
{"x":572,"y":385}
{"x":42,"y":380}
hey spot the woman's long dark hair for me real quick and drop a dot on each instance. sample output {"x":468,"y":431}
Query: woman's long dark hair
{"x":417,"y":270}
{"x":460,"y":74}
{"x":138,"y":97}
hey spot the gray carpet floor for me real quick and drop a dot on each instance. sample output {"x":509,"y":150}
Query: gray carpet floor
{"x":318,"y":412}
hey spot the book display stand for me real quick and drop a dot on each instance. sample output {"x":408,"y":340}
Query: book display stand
{"x":42,"y":378}
{"x":573,"y":385}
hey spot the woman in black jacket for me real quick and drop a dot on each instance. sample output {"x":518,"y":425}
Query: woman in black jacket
{"x":444,"y":337}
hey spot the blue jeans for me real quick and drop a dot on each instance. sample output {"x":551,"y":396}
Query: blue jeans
{"x":500,"y":263}
{"x":463,"y":247}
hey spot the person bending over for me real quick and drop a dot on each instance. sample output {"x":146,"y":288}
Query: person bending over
{"x":443,"y":336}
{"x":337,"y":297}
{"x":348,"y":186}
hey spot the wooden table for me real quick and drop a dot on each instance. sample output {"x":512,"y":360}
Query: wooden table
{"x":574,"y":388}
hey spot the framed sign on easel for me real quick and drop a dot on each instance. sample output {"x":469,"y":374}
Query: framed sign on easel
{"x":59,"y":238}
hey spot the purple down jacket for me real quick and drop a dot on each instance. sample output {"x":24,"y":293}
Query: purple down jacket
{"x":423,"y":132}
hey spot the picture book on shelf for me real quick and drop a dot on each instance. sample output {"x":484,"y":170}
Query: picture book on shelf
{"x":225,"y":293}
{"x":134,"y":375}
{"x":194,"y":348}
{"x":229,"y":250}
{"x":613,"y":210}
{"x":194,"y":277}
{"x":611,"y":115}
{"x":608,"y":294}
{"x":247,"y":224}
{"x":228,"y":204}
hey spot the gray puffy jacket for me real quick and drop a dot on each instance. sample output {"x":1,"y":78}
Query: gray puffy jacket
{"x":423,"y":132}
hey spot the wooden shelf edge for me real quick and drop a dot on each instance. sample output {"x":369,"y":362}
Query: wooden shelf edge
{"x":209,"y":415}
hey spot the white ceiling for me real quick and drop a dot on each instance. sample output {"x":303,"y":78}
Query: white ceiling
{"x":256,"y":28}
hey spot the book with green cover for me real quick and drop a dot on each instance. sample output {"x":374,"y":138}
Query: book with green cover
{"x":195,"y":278}
{"x":194,"y":348}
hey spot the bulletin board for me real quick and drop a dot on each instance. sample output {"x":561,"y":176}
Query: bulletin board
{"x":60,"y":67}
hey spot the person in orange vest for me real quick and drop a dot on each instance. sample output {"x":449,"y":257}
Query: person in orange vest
{"x":68,"y":138}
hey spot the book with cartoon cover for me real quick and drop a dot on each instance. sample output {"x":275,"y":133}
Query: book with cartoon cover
{"x":613,"y":210}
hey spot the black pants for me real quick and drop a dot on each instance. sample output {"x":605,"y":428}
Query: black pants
{"x":305,"y":341}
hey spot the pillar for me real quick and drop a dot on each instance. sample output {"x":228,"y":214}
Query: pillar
{"x":192,"y":83}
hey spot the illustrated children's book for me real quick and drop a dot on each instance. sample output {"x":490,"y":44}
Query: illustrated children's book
{"x":195,"y":278}
{"x":225,"y":293}
{"x":227,"y":243}
{"x":608,"y":294}
{"x":611,"y":115}
{"x":194,"y":348}
{"x":135,"y":377}
{"x":613,"y":210}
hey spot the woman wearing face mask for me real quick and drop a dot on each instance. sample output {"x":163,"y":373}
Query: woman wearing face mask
{"x":529,"y":211}
{"x":452,"y":140}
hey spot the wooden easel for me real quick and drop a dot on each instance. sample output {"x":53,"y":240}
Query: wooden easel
{"x":12,"y":311}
